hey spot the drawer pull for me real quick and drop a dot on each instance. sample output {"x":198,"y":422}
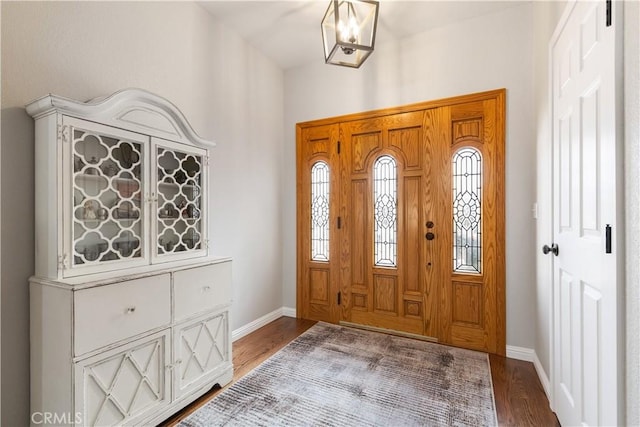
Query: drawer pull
{"x":130,"y":310}
{"x":206,"y":288}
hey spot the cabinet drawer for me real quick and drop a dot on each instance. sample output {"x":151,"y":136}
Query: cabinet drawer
{"x":107,"y":314}
{"x":200,"y":289}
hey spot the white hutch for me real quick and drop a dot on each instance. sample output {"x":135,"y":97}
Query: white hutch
{"x":129,"y":309}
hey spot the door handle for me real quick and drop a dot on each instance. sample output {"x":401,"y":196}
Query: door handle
{"x":430,"y":236}
{"x":553,"y":249}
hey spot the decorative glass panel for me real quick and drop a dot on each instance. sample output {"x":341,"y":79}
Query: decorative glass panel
{"x":467,"y":226}
{"x":385,"y":197}
{"x":107,"y":188}
{"x":179,"y":201}
{"x":320,"y":211}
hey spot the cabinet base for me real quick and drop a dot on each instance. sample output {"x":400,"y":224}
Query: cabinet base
{"x":222,"y":380}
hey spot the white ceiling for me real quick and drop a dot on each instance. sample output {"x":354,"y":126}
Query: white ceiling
{"x":288,"y":32}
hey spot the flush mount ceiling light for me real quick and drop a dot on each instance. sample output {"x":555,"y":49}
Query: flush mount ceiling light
{"x":349,"y":31}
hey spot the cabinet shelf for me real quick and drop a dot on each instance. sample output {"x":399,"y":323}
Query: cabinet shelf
{"x":97,"y":177}
{"x":98,"y":221}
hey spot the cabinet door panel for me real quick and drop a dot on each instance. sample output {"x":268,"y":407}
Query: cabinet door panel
{"x":125,"y":384}
{"x":202,"y":349}
{"x":179,"y":212}
{"x":103,"y":196}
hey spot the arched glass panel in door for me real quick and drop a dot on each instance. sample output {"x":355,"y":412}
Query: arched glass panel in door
{"x":467,"y":211}
{"x":320,"y":211}
{"x":385,"y":211}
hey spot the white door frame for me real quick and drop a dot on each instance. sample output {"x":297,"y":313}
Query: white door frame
{"x":619,"y":237}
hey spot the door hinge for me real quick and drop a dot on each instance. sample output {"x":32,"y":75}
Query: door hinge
{"x":607,"y":244}
{"x":339,"y":298}
{"x":206,"y":160}
{"x":338,"y":147}
{"x":339,"y":222}
{"x":609,"y":11}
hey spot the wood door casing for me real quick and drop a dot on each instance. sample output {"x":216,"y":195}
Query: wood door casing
{"x":422,"y":294}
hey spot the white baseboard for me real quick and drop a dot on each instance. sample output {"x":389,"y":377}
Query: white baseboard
{"x":529,"y":355}
{"x":256,"y":324}
{"x":289,"y":311}
{"x":521,"y":353}
{"x":544,"y":379}
{"x":262,"y":321}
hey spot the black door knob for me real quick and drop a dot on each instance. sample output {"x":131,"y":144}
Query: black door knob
{"x":553,"y":249}
{"x":430,"y":236}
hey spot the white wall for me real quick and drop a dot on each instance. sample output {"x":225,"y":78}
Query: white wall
{"x":227,"y":90}
{"x":488,"y":52}
{"x":632,"y":196}
{"x":545,"y":17}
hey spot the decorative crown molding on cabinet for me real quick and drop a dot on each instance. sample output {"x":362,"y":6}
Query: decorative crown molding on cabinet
{"x":133,"y":109}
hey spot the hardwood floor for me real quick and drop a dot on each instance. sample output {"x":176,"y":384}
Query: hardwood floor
{"x":520,"y":398}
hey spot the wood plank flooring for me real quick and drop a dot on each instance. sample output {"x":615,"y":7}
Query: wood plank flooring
{"x":520,"y":398}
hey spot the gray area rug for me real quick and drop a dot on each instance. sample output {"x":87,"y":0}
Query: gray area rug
{"x":338,"y":376}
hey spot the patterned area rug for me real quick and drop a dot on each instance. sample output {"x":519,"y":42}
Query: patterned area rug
{"x":338,"y":376}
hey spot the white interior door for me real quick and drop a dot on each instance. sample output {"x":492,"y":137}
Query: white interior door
{"x":586,"y":281}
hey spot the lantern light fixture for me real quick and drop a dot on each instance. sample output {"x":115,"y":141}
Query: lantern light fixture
{"x":349,"y":31}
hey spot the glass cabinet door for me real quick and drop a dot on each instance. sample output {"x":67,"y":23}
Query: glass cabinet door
{"x":179,"y":219}
{"x":108,"y":195}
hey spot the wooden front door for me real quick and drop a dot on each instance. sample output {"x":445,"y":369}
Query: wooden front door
{"x":382,"y":262}
{"x":415,"y":223}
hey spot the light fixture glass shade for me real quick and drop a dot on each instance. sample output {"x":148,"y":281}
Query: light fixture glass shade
{"x":349,"y":31}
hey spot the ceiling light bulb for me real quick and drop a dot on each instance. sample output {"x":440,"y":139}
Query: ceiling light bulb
{"x":354,"y":30}
{"x":348,"y":33}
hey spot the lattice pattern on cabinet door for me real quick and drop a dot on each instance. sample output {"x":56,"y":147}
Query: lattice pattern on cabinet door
{"x":107,"y":189}
{"x":124,"y":385}
{"x":467,"y":212}
{"x":203,"y":347}
{"x":179,"y":201}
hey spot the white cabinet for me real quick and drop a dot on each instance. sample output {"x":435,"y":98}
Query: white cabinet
{"x":129,"y":308}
